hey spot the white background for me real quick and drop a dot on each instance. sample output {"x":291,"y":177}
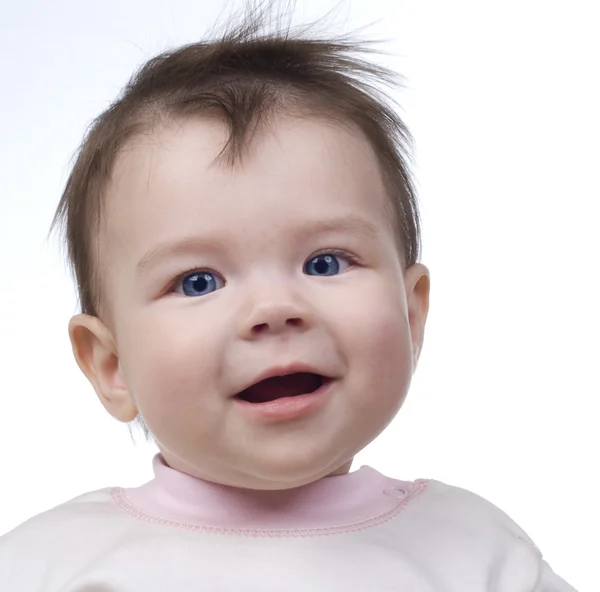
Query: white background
{"x":503,"y":101}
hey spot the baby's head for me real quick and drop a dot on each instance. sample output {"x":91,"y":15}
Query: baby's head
{"x":245,"y":210}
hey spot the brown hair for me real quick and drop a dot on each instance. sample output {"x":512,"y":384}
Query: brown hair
{"x":242,"y":76}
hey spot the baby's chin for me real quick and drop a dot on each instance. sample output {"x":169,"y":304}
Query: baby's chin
{"x":278,"y":482}
{"x":263,"y":476}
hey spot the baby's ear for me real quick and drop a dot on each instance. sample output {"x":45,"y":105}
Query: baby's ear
{"x":417,"y":285}
{"x":96,"y":354}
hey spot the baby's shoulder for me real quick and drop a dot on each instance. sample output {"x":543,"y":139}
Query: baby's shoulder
{"x":81,"y":512}
{"x":463,"y":509}
{"x":73,"y":528}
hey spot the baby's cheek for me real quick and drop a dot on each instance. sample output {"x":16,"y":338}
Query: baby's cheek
{"x":166,"y":367}
{"x":382,"y":316}
{"x":391,"y":349}
{"x":383,"y":347}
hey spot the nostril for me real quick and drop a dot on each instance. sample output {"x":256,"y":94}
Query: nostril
{"x":291,"y":322}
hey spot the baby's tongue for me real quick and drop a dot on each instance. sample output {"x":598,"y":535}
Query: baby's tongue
{"x":281,"y":386}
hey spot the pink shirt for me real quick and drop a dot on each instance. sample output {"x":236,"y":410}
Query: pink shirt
{"x":356,"y":532}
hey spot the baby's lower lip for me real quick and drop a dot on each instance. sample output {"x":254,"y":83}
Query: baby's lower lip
{"x":288,"y":407}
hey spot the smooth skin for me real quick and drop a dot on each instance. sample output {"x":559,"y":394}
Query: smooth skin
{"x":211,"y":283}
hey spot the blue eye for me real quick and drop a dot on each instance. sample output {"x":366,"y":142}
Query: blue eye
{"x":326,"y":264}
{"x":200,"y":283}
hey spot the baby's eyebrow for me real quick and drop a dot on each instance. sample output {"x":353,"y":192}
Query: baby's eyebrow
{"x":197,"y":244}
{"x":349,"y":223}
{"x":190,"y":244}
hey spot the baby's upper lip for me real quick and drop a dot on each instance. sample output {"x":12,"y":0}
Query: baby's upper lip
{"x":284,"y":371}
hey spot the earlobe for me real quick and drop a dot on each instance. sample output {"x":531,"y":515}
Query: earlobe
{"x":417,"y":283}
{"x":96,"y":354}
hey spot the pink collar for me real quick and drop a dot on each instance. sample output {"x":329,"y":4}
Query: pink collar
{"x":338,"y":501}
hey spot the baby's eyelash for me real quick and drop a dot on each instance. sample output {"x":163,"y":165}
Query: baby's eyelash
{"x":192,"y":271}
{"x":338,"y":253}
{"x":352,"y":259}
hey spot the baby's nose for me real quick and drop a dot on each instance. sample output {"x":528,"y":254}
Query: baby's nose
{"x":275,"y":311}
{"x":273,"y":318}
{"x":277,"y":323}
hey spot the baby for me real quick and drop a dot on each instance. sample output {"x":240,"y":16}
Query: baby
{"x":245,"y":237}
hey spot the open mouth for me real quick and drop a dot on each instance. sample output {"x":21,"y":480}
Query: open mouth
{"x":277,"y":387}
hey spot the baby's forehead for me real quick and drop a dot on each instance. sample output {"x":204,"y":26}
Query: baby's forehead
{"x":291,"y":155}
{"x":298,"y":178}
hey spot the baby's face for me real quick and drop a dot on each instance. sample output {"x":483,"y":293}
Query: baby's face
{"x":220,"y":276}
